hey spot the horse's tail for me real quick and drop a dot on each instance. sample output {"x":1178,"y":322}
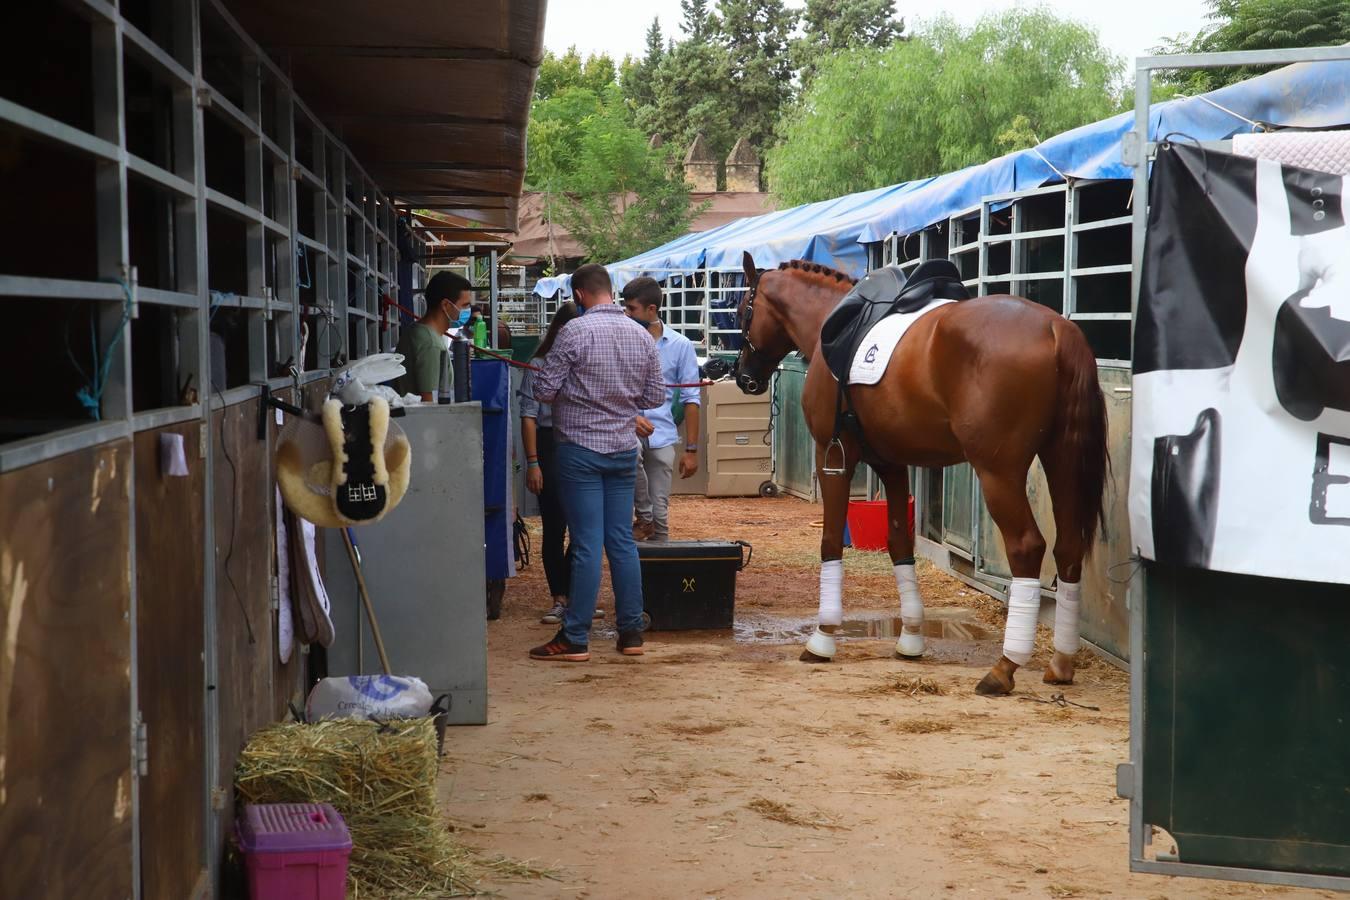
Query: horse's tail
{"x":1081,"y":429}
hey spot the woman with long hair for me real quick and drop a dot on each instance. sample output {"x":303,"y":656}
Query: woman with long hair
{"x":541,"y":477}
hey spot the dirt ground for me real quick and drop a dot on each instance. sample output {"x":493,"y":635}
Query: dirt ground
{"x":717,"y":765}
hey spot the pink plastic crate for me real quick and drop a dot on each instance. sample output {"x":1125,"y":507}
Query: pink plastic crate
{"x":295,"y":851}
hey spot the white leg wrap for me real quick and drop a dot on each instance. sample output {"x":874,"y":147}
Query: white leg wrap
{"x":911,"y":604}
{"x":1066,"y":617}
{"x":911,"y":642}
{"x":832,"y":592}
{"x":1024,"y":607}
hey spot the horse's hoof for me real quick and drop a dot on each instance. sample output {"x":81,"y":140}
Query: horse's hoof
{"x":910,"y":646}
{"x":809,"y":657}
{"x":820,"y":645}
{"x":1060,"y":670}
{"x":994,"y":685}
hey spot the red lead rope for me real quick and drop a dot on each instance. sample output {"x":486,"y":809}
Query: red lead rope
{"x":390,"y":303}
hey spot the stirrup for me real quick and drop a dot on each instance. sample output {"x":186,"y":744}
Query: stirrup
{"x":825,"y":469}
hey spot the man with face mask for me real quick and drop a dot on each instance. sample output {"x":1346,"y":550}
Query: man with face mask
{"x":449,"y":305}
{"x":656,"y":428}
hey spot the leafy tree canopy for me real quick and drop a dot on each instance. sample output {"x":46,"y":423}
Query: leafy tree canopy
{"x":950,"y":97}
{"x":1256,"y":25}
{"x":829,"y":26}
{"x":557,"y":73}
{"x":637,"y":75}
{"x":600,"y":179}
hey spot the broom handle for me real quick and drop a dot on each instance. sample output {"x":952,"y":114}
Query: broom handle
{"x":365,"y":601}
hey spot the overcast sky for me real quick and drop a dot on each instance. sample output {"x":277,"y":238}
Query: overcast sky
{"x":1129,"y":27}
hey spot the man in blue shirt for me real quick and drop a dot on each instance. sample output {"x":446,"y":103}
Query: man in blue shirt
{"x":656,"y":427}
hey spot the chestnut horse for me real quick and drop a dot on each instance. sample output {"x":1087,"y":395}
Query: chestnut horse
{"x":994,"y":381}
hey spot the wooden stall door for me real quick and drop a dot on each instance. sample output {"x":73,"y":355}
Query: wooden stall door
{"x":65,"y":677}
{"x":170,"y":670}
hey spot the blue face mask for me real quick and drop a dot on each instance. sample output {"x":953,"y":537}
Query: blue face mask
{"x":463,"y":318}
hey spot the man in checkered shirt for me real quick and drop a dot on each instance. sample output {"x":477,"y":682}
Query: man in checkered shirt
{"x":602,"y":372}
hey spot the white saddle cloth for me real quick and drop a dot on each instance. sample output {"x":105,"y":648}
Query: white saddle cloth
{"x":874,"y":353}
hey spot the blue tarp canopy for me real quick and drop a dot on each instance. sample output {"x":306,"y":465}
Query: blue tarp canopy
{"x":834,"y":232}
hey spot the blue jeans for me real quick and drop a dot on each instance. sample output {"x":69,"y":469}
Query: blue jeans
{"x":597,"y":495}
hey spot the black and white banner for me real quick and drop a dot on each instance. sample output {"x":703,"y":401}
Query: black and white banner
{"x":1241,"y":446}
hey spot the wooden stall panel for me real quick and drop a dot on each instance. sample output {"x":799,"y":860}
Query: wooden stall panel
{"x":65,"y":677}
{"x":245,"y":647}
{"x":170,"y":666}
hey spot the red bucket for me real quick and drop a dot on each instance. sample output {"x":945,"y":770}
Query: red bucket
{"x":867,"y":527}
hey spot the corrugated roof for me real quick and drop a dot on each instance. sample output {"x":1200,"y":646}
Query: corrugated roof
{"x":432,"y":98}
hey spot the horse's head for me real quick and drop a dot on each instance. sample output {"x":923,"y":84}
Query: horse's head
{"x":764,"y":339}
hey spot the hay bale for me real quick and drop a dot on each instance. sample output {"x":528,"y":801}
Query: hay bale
{"x":382,"y":779}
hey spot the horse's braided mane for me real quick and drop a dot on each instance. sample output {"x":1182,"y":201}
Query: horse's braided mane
{"x":802,"y":265}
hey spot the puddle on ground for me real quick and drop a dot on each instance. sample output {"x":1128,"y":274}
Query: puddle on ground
{"x":954,"y":635}
{"x":939,"y":625}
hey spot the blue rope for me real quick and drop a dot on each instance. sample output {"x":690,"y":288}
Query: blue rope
{"x":302,"y":256}
{"x":91,"y":395}
{"x":219,"y":299}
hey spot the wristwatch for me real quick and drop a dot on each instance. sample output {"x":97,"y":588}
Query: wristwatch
{"x":691,"y":448}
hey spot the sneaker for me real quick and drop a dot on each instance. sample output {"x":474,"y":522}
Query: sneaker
{"x":630,"y":643}
{"x":642,"y":531}
{"x":555,"y":615}
{"x":560,"y":648}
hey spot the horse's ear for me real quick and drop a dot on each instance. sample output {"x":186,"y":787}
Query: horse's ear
{"x":748,"y":262}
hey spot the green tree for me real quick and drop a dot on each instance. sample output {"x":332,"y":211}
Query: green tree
{"x":829,"y":26}
{"x":698,"y":22}
{"x":731,"y":77}
{"x":622,"y":197}
{"x":599,"y":178}
{"x":1256,"y":25}
{"x":691,"y":94}
{"x":553,"y":139}
{"x":558,"y":73}
{"x":949,"y":97}
{"x":637,"y":76}
{"x":756,"y":35}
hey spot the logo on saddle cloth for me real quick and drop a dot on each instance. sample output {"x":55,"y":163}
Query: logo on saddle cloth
{"x":870,"y":365}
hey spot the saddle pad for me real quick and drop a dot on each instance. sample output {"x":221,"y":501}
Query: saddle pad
{"x":1324,"y":151}
{"x":874,"y":353}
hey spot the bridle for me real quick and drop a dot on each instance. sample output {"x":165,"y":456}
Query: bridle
{"x":746,"y":382}
{"x":748,"y":315}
